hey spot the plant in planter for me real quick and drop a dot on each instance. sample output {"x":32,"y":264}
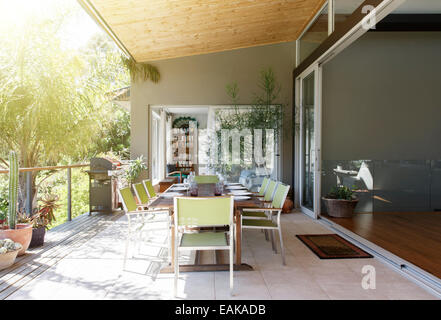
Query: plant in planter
{"x":17,"y":232}
{"x":4,"y":205}
{"x":8,"y":252}
{"x":340,"y":202}
{"x":136,"y":167}
{"x":43,"y":219}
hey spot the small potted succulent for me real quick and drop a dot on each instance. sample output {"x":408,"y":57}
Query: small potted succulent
{"x":8,"y":252}
{"x":43,"y":219}
{"x":340,"y":202}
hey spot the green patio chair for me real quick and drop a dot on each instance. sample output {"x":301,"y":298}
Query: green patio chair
{"x":206,"y":179}
{"x":140,"y":221}
{"x":203,"y":212}
{"x":141,"y":194}
{"x":270,"y":224}
{"x":270,"y":191}
{"x":267,"y":199}
{"x":263,"y":187}
{"x":149,"y":187}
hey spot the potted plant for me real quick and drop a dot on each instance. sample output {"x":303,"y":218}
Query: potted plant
{"x":42,"y":219}
{"x":340,"y":202}
{"x":8,"y":252}
{"x":135,"y":168}
{"x":17,"y":232}
{"x":4,"y":204}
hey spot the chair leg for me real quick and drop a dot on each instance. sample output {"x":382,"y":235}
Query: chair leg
{"x":273,"y":243}
{"x":231,"y":268}
{"x":176,"y":265}
{"x":170,"y":246}
{"x":282,"y":248}
{"x":140,"y":240}
{"x":126,"y":250}
{"x":266,"y":234}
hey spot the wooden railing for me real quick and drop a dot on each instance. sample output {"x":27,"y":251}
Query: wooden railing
{"x":29,"y":171}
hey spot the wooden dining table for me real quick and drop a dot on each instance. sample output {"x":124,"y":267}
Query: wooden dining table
{"x":207,"y":190}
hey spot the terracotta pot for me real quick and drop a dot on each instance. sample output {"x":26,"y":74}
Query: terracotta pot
{"x":8,"y":259}
{"x":287,"y":206}
{"x":340,"y":208}
{"x":22,"y":234}
{"x":37,"y":237}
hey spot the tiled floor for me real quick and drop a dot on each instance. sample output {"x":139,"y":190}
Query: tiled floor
{"x":94,"y":271}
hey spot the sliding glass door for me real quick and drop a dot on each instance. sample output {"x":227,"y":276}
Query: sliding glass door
{"x":309,"y":103}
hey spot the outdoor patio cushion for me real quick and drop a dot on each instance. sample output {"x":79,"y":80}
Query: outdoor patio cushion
{"x":254,"y":214}
{"x":203,"y":239}
{"x":258,"y":223}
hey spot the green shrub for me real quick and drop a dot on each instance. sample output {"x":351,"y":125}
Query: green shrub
{"x":341,"y":193}
{"x":57,"y":185}
{"x":4,"y":202}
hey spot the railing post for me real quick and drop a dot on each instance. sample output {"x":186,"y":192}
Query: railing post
{"x":69,"y":194}
{"x":28,"y":204}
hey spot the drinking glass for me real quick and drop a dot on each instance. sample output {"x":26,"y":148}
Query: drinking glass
{"x":218,"y":189}
{"x":194,"y":190}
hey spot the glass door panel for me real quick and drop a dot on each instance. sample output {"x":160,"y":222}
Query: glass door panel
{"x":308,"y":141}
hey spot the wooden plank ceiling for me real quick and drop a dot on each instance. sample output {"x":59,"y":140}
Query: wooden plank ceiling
{"x":163,"y":29}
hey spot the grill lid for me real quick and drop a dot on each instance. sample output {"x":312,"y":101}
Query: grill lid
{"x":103,"y":164}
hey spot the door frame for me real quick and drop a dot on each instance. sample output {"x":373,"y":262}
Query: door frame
{"x":317,"y":70}
{"x":350,"y":32}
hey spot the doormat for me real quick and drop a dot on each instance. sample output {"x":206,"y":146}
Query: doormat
{"x":332,"y":246}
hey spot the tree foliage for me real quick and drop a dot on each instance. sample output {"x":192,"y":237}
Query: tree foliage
{"x":141,"y":71}
{"x":53,"y":99}
{"x":46,"y":103}
{"x":265,"y":111}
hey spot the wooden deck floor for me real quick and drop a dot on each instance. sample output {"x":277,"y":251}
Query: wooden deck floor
{"x":59,"y":242}
{"x":415,"y":237}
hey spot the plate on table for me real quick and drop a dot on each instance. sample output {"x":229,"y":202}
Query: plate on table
{"x":241,"y":198}
{"x":233,"y":184}
{"x":179,"y":188}
{"x":171,"y":194}
{"x":236,"y":188}
{"x":240,"y":193}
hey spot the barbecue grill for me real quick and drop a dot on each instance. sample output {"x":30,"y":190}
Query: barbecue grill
{"x":103,"y":185}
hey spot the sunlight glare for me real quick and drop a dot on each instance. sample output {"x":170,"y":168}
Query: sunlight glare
{"x":76,"y":30}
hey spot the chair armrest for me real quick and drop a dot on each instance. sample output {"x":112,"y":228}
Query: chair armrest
{"x":133,"y":213}
{"x":250,"y":208}
{"x":262,"y":209}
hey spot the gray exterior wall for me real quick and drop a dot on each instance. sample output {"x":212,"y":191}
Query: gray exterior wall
{"x":201,"y":80}
{"x":382,"y":102}
{"x":382,"y":98}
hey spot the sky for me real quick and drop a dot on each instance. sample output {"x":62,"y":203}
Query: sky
{"x":78,"y":29}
